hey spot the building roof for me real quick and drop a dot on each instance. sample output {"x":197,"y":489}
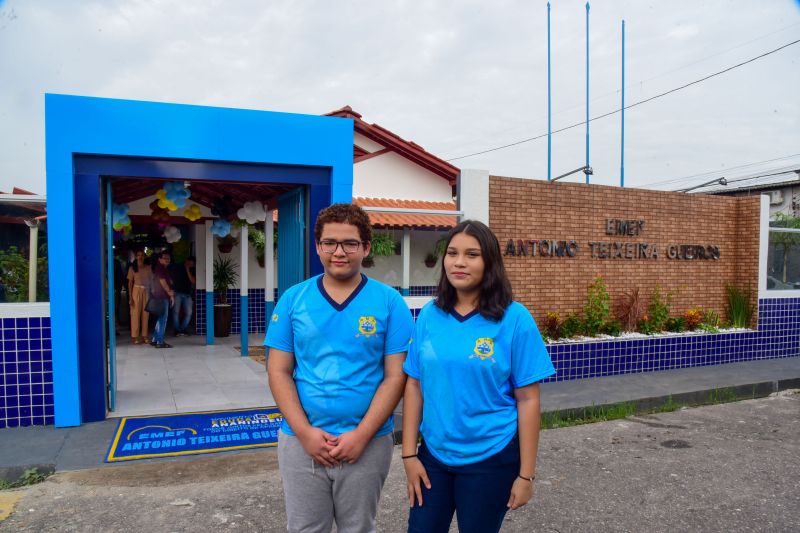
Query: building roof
{"x":393,"y":142}
{"x":770,"y":181}
{"x":408,"y":220}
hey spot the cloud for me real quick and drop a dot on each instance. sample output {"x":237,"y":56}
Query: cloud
{"x":455,"y":77}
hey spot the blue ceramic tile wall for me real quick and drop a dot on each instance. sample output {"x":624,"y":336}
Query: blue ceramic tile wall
{"x":255,"y":310}
{"x":26,"y":374}
{"x":778,"y":335}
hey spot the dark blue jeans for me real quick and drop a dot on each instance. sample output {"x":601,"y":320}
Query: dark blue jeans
{"x":477,"y":493}
{"x":183,"y":304}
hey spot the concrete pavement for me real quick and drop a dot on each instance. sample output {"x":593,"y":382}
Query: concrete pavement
{"x":727,"y":467}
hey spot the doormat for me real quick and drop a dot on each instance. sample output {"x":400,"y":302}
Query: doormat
{"x":256,"y":353}
{"x":146,"y":437}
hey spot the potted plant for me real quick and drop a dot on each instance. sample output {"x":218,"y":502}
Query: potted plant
{"x":225,"y":277}
{"x":438,"y":251}
{"x":258,"y":240}
{"x":430,"y":260}
{"x":382,"y":244}
{"x":225,"y":244}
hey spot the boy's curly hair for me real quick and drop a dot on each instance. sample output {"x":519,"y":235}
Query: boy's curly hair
{"x":344,"y":214}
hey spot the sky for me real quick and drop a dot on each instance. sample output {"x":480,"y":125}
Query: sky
{"x":457,"y":77}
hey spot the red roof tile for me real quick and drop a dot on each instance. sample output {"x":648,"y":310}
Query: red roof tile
{"x":408,"y":149}
{"x":408,"y":220}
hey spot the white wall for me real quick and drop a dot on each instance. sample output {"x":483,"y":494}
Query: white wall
{"x":365,"y":143}
{"x":393,"y":176}
{"x":256,"y":276}
{"x":390,"y":269}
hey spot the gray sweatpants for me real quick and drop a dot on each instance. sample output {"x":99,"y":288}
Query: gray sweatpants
{"x":315,"y":496}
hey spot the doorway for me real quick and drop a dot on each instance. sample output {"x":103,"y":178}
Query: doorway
{"x":187,"y":373}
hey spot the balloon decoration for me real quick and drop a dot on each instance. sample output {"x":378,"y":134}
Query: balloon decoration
{"x":159,"y":214}
{"x":221,"y":228}
{"x":119,"y":216}
{"x":252,"y":212}
{"x":172,"y":234}
{"x":164,"y":202}
{"x":193,"y":212}
{"x":177,"y":193}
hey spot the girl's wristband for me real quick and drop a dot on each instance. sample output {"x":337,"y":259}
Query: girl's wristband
{"x":527,"y":478}
{"x":408,"y":456}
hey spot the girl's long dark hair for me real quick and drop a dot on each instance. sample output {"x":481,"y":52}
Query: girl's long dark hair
{"x":495,"y":289}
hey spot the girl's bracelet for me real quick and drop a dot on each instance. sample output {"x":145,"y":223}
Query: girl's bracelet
{"x":408,"y":456}
{"x":527,"y":478}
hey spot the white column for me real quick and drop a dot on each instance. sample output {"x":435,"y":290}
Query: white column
{"x":473,"y":195}
{"x":33,"y":245}
{"x":244,"y":246}
{"x":406,"y":250}
{"x":269,"y":264}
{"x":209,"y":262}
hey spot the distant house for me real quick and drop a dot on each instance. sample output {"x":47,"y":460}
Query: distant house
{"x":395,"y":173}
{"x":782,"y":188}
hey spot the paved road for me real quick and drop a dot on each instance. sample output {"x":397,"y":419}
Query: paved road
{"x":731,"y":467}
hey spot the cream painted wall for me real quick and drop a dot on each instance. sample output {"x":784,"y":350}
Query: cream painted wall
{"x":393,"y":176}
{"x":389,"y":269}
{"x":367,"y":144}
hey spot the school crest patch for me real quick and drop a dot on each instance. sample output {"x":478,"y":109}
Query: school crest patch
{"x":484,"y":349}
{"x":367,"y":326}
{"x":275,"y":317}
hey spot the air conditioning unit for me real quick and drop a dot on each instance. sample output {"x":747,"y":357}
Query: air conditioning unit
{"x":775,"y":197}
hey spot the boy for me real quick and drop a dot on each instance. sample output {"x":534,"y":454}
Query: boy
{"x":337,"y":344}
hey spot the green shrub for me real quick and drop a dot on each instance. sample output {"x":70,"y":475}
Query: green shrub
{"x":657,"y":310}
{"x":597,"y":308}
{"x":612,"y":328}
{"x":711,"y":320}
{"x":14,"y":275}
{"x":676,"y":324}
{"x":740,"y":309}
{"x":572,"y":326}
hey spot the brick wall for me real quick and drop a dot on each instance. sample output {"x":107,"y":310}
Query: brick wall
{"x":534,"y":210}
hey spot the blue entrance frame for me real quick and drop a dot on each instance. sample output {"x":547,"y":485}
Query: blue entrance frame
{"x":89,"y":138}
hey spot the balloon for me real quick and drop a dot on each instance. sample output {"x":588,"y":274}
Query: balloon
{"x":252,"y":212}
{"x":193,"y":212}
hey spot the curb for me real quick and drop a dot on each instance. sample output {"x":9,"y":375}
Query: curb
{"x":716,"y":395}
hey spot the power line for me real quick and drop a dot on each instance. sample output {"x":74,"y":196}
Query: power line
{"x":677,"y":69}
{"x":640,"y":102}
{"x":727,"y":182}
{"x":726,"y":170}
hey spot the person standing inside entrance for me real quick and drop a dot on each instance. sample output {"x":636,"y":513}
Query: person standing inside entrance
{"x":184,"y":278}
{"x":163,"y":291}
{"x":337,"y":343}
{"x":139,"y":277}
{"x":473,"y":392}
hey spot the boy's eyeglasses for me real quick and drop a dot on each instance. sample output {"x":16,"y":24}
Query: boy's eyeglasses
{"x":349,"y":247}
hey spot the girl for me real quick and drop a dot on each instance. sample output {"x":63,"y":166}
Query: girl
{"x":139,"y":278}
{"x":472,"y":391}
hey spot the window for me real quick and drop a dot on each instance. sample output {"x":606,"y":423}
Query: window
{"x":23,"y":226}
{"x":783,"y":255}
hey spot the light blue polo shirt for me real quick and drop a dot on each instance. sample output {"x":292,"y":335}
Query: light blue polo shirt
{"x":468,"y":367}
{"x":339,"y":349}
